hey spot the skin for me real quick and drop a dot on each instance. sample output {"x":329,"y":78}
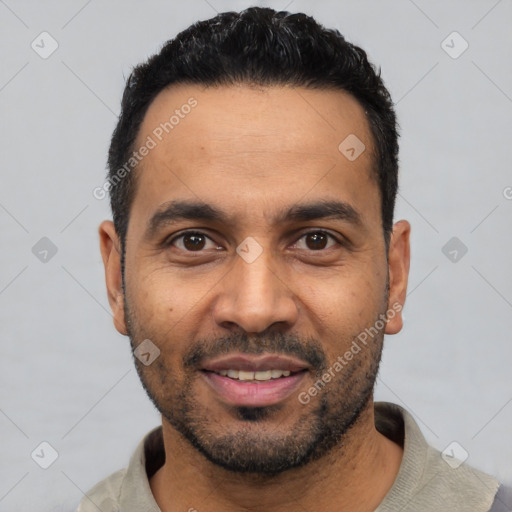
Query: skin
{"x":253,"y":152}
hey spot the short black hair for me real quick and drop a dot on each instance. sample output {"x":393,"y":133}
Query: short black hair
{"x":258,"y":46}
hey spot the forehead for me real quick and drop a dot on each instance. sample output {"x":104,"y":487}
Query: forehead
{"x":242,"y":115}
{"x":253,"y":145}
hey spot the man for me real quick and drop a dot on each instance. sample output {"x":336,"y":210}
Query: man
{"x":254,"y":264}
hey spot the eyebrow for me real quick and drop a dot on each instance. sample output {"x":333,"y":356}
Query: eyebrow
{"x":175,"y":211}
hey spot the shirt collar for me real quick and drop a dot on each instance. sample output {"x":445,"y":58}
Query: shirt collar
{"x":390,"y":419}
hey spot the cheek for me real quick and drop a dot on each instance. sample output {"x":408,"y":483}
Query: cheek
{"x":342,"y":307}
{"x":152,"y":315}
{"x":346,"y":298}
{"x":162,"y":297}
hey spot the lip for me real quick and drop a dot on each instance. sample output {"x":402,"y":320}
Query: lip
{"x":254,"y":363}
{"x":253,"y":394}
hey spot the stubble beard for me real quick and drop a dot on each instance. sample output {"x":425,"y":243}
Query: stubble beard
{"x":256,"y":444}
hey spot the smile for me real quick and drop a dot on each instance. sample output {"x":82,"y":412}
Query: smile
{"x":253,"y":389}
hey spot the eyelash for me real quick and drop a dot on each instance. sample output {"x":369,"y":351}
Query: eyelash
{"x":316,"y":231}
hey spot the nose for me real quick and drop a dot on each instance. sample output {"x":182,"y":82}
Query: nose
{"x":254,"y":296}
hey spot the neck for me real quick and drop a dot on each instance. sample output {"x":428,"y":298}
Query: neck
{"x":354,"y":477}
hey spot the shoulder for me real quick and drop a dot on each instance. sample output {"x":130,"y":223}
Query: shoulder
{"x":430,"y":480}
{"x":128,"y":488}
{"x":105,"y":495}
{"x":503,"y":500}
{"x":454,"y":481}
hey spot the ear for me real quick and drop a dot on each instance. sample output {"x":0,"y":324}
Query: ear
{"x":399,"y":258}
{"x":111,"y":253}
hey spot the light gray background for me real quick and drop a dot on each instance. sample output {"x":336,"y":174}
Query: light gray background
{"x":67,"y":376}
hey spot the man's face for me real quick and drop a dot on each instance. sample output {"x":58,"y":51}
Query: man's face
{"x":268,"y":277}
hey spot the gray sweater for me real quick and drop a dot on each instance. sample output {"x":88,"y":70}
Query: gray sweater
{"x":427,"y":481}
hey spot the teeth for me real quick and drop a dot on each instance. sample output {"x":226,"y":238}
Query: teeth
{"x":259,"y":375}
{"x":265,"y":375}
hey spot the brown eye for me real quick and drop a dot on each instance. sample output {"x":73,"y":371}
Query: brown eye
{"x":192,"y":241}
{"x":316,"y":240}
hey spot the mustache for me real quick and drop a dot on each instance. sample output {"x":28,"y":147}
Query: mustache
{"x":307,"y":349}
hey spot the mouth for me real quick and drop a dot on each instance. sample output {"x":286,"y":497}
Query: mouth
{"x":256,"y":376}
{"x":249,"y":381}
